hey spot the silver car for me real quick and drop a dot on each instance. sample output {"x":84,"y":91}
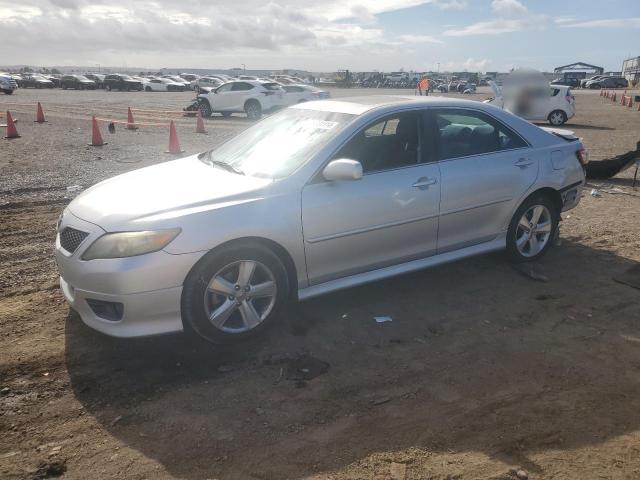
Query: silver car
{"x":319,"y":197}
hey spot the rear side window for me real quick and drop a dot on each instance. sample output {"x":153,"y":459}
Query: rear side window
{"x":241,"y":86}
{"x":462,"y":133}
{"x":273,"y":86}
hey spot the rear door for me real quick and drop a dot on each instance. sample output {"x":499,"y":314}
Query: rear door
{"x":238,"y":95}
{"x":389,"y":216}
{"x":485,"y":169}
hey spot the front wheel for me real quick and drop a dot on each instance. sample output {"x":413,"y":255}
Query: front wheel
{"x":557,"y":117}
{"x":253,"y":109}
{"x":532,"y":229}
{"x":147,"y":89}
{"x":234,"y":293}
{"x":205,"y":108}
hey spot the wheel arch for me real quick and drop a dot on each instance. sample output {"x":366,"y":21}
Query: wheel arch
{"x":249,"y":101}
{"x":549,"y":192}
{"x":283,"y":255}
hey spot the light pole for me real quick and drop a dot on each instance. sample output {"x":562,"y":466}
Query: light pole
{"x":244,"y":67}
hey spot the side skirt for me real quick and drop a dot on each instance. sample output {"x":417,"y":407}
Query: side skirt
{"x":361,"y":278}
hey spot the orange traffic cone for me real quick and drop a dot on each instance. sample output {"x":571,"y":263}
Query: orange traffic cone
{"x":200,"y":123}
{"x":96,"y":137}
{"x":130,"y":123}
{"x":12,"y":132}
{"x":39,"y":114}
{"x":174,"y":143}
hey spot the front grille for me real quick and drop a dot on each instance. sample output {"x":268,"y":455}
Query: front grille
{"x":70,"y":238}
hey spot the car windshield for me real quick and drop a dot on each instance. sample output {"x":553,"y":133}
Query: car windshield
{"x":281,"y":143}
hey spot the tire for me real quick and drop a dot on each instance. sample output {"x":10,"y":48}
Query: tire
{"x":215,"y":284}
{"x":541,"y":212}
{"x":147,"y":89}
{"x":253,"y":109}
{"x":557,"y":118}
{"x":226,"y":114}
{"x":205,"y":108}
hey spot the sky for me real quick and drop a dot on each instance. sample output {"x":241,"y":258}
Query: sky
{"x":320,"y":35}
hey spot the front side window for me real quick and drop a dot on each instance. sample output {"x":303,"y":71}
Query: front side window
{"x":462,"y":133}
{"x":241,"y":86}
{"x":224,"y":88}
{"x":393,"y":142}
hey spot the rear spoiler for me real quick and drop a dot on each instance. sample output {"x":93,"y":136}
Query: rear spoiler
{"x":567,"y":135}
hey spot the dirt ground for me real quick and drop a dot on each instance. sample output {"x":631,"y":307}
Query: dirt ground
{"x":482,"y":372}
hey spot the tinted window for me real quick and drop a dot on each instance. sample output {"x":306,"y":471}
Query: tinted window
{"x":224,"y":88}
{"x":271,"y":86}
{"x":390,"y":143}
{"x":462,"y":133}
{"x":292,"y":89}
{"x":241,"y":86}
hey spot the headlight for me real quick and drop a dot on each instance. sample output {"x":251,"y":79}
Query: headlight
{"x":129,"y":244}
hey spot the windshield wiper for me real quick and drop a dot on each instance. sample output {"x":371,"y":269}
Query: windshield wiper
{"x":224,"y":165}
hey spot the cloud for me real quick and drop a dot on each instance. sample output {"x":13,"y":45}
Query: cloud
{"x":498,"y":27}
{"x":509,"y":7}
{"x":474,"y":65}
{"x":419,"y":39}
{"x":451,"y":4}
{"x":633,"y":22}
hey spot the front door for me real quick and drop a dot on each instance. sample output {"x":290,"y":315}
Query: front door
{"x":387,"y":217}
{"x":486,"y":168}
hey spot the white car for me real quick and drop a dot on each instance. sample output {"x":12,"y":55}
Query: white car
{"x":252,"y":97}
{"x":177,"y":79}
{"x":162,"y":85}
{"x":545,"y":103}
{"x":302,"y":93}
{"x":206,"y":83}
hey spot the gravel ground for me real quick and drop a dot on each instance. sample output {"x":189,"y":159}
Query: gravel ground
{"x":482,"y":372}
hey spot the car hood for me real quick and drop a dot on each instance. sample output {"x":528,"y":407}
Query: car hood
{"x":155,"y":195}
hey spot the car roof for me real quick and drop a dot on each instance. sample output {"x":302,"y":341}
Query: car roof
{"x":363,"y":104}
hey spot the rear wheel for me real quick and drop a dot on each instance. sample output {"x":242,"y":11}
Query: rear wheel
{"x":234,"y":293}
{"x":532,"y":229}
{"x":557,"y":117}
{"x":253,"y":109}
{"x":147,"y":88}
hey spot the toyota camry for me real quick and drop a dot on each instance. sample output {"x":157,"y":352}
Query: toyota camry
{"x":318,"y":197}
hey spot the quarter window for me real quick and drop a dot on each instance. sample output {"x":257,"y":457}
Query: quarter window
{"x":462,"y":133}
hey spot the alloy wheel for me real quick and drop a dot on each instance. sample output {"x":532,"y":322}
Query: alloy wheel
{"x":240,"y":296}
{"x":534,"y":231}
{"x":556,"y":118}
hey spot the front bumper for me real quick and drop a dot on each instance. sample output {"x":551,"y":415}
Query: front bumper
{"x":149,"y":287}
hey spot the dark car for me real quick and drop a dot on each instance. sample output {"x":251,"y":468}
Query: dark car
{"x":583,"y":82}
{"x":568,"y":82}
{"x":97,"y":78}
{"x":608,"y":82}
{"x":121,"y":82}
{"x":35,"y":81}
{"x":77,"y":82}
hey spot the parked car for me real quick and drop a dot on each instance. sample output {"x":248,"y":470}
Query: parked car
{"x":35,"y":81}
{"x":302,"y":93}
{"x":206,"y":84}
{"x":608,"y":82}
{"x":189,"y":77}
{"x":7,"y":84}
{"x":97,"y":78}
{"x":176,"y":79}
{"x":553,"y":103}
{"x":318,"y":197}
{"x":567,"y":82}
{"x":121,"y":82}
{"x":252,"y":97}
{"x":162,"y":85}
{"x":78,"y":82}
{"x":583,"y":82}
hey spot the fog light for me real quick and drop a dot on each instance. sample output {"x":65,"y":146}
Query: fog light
{"x":111,"y":311}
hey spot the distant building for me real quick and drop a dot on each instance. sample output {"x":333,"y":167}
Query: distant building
{"x":631,"y":70}
{"x":577,"y":70}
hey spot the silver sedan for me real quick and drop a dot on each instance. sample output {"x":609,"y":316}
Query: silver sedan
{"x":319,"y":197}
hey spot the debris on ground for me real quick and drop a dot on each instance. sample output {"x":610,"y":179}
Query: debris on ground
{"x":74,"y":188}
{"x":595,"y":193}
{"x":631,"y":277}
{"x":530,"y":271}
{"x":115,"y":420}
{"x":224,"y":369}
{"x":305,"y":367}
{"x":382,"y":319}
{"x":379,"y":401}
{"x":54,"y":468}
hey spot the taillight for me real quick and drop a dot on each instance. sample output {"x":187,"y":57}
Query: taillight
{"x":583,"y":156}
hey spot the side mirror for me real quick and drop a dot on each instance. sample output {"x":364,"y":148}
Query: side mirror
{"x":342,"y":169}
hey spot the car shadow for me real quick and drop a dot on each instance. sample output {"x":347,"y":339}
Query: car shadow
{"x":477,"y":357}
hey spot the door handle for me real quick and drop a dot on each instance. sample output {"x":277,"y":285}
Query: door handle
{"x":523,"y":163}
{"x":424,"y":182}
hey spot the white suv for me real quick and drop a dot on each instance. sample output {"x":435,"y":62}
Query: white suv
{"x":250,"y":96}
